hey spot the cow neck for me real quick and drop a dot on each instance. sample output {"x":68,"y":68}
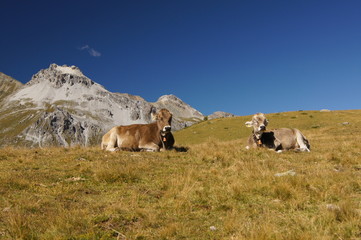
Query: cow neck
{"x":257,"y":140}
{"x":162,"y":139}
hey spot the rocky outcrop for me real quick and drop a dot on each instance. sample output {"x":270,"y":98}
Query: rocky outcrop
{"x":67,"y":109}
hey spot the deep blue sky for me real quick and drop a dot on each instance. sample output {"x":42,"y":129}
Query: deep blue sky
{"x":236,"y":56}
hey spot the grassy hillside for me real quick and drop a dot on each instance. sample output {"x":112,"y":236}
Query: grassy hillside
{"x":8,"y":85}
{"x":309,"y":122}
{"x":216,"y":190}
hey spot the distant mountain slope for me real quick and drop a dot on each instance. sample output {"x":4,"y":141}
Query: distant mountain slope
{"x":8,"y":85}
{"x":186,"y":115}
{"x":61,"y":106}
{"x":220,"y":114}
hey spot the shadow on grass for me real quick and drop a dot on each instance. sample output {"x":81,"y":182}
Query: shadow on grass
{"x":180,"y":149}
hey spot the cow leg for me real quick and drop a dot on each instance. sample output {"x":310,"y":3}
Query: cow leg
{"x":105,"y":140}
{"x":301,"y":142}
{"x":279,"y":149}
{"x":278,"y":145}
{"x":150,"y":147}
{"x":251,"y":143}
{"x":112,"y":143}
{"x":148,"y":150}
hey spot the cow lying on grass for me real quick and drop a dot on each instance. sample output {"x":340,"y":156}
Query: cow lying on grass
{"x":141,"y":137}
{"x":277,"y":139}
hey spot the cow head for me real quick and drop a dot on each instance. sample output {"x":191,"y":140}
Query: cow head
{"x":259,"y":123}
{"x":164,"y":120}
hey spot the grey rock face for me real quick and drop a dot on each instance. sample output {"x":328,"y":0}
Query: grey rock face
{"x":62,"y":128}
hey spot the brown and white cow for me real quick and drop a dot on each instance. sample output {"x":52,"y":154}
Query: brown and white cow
{"x":141,"y":137}
{"x":277,"y":139}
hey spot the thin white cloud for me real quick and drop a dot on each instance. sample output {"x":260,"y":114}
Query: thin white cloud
{"x":92,"y":52}
{"x":84,"y":47}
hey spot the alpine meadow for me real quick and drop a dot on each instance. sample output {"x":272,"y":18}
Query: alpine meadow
{"x":215,"y":190}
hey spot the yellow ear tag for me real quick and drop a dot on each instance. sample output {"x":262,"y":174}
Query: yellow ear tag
{"x":259,"y":142}
{"x":164,"y":139}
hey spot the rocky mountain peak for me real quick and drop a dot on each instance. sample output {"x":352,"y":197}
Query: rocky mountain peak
{"x":61,"y":75}
{"x":169,"y":97}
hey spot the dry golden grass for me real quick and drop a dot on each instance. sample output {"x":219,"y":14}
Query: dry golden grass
{"x":216,"y":190}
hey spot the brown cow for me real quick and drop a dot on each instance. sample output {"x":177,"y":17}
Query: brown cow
{"x":141,"y":137}
{"x":277,"y":139}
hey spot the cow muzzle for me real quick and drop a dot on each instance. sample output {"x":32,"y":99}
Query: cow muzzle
{"x":262,"y":128}
{"x":167,"y":129}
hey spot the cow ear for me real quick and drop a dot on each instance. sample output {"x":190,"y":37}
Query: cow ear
{"x":266,"y":122}
{"x":153,"y":114}
{"x":249,"y":124}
